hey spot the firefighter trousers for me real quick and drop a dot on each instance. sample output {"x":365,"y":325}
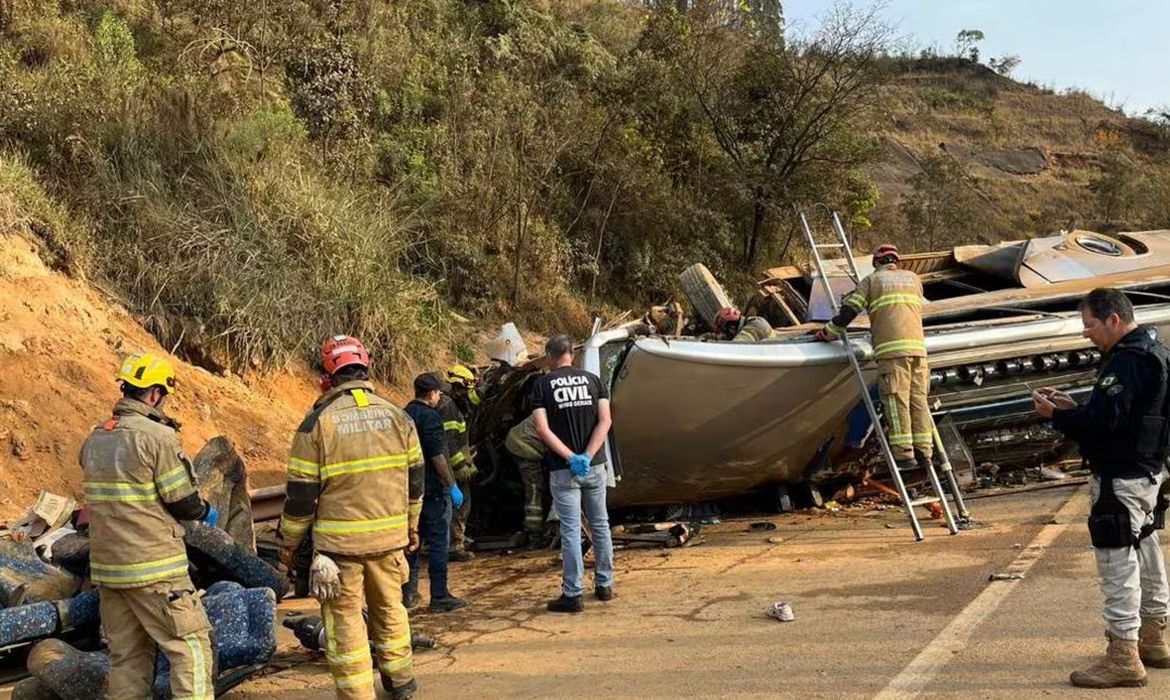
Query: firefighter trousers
{"x":532,"y":474}
{"x":139,"y":621}
{"x":459,"y":516}
{"x":373,"y":581}
{"x":903,"y":383}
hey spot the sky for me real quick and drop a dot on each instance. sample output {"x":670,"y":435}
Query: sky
{"x":1117,"y":50}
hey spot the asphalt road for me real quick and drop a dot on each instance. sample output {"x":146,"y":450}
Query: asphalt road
{"x":877,"y":616}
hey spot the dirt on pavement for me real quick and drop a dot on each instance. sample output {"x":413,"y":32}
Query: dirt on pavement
{"x":691,"y":622}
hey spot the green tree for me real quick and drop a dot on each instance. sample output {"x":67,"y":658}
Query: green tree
{"x":790,"y":121}
{"x":942,"y":208}
{"x":967,"y":44}
{"x":1004,"y":65}
{"x":1116,"y":188}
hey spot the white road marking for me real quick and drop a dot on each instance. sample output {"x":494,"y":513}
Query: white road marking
{"x":922,"y":670}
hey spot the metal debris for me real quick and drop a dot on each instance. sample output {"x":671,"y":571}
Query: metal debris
{"x":1005,"y":577}
{"x":656,"y":535}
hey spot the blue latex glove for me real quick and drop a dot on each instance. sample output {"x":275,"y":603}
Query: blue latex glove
{"x":456,"y":496}
{"x":579,"y":465}
{"x":212,"y":517}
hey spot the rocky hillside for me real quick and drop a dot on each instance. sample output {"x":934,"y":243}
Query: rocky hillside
{"x":60,"y":344}
{"x":995,"y":158}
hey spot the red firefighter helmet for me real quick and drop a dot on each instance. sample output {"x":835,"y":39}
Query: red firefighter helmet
{"x":726,"y":317}
{"x":886,"y":250}
{"x":343,"y":351}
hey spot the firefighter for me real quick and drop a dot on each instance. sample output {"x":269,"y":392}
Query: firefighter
{"x":1123,"y":432}
{"x":524,"y":444}
{"x":355,"y":479}
{"x":893,"y":299}
{"x":464,"y":388}
{"x":732,"y":325}
{"x":459,"y":452}
{"x":139,"y":485}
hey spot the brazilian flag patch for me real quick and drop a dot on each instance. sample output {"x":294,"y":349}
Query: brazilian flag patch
{"x":1108,"y":381}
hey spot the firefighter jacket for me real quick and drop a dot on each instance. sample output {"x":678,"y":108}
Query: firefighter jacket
{"x":355,"y":475}
{"x":893,"y":299}
{"x":455,"y":428}
{"x":1122,"y":429}
{"x":134,"y":473}
{"x":524,"y":443}
{"x":754,"y":329}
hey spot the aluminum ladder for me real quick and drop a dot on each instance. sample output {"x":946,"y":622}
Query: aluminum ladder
{"x":908,"y":504}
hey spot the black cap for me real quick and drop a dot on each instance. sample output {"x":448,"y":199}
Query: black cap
{"x":427,"y":382}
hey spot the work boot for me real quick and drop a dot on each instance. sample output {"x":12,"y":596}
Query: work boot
{"x":906,"y":465}
{"x":460,"y":555}
{"x":566,"y":604}
{"x":1121,"y":668}
{"x":411,"y":599}
{"x":603,"y":593}
{"x":447,"y":604}
{"x":1152,"y":647}
{"x":923,"y":461}
{"x":400,"y":692}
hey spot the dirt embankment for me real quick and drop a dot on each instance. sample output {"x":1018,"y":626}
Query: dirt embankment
{"x":60,"y":344}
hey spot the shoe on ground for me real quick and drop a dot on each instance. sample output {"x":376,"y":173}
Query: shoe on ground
{"x":566,"y":604}
{"x":603,"y":593}
{"x":442,"y":605}
{"x":460,"y":555}
{"x":401,"y":692}
{"x":411,"y":600}
{"x":1121,"y":668}
{"x":1152,"y":647}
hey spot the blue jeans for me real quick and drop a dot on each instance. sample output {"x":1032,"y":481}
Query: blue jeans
{"x":570,"y":494}
{"x":433,"y":525}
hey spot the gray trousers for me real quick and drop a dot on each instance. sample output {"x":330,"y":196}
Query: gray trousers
{"x":1133,"y":580}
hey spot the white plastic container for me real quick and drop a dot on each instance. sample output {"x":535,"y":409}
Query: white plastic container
{"x":508,"y":346}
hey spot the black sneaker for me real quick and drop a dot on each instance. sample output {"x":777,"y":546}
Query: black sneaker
{"x":603,"y":593}
{"x":400,"y":692}
{"x":460,"y":555}
{"x":565,"y":604}
{"x":442,"y":605}
{"x":410,"y":600}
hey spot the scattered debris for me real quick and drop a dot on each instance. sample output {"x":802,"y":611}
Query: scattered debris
{"x":243,"y":625}
{"x":38,"y":620}
{"x":49,"y":609}
{"x":25,"y":578}
{"x":310,"y":632}
{"x":656,"y":535}
{"x":775,"y":540}
{"x":781,"y":611}
{"x":223,"y":483}
{"x":42,"y":524}
{"x":1005,"y":577}
{"x":761,"y":526}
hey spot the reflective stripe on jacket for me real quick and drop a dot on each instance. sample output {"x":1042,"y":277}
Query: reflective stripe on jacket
{"x":524,"y":442}
{"x":455,"y":428}
{"x":132,"y":464}
{"x":893,"y":299}
{"x":355,"y":475}
{"x":754,"y":329}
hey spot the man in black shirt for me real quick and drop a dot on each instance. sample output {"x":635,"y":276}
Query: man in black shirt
{"x":440,"y":494}
{"x":1122,"y":432}
{"x":571,"y":411}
